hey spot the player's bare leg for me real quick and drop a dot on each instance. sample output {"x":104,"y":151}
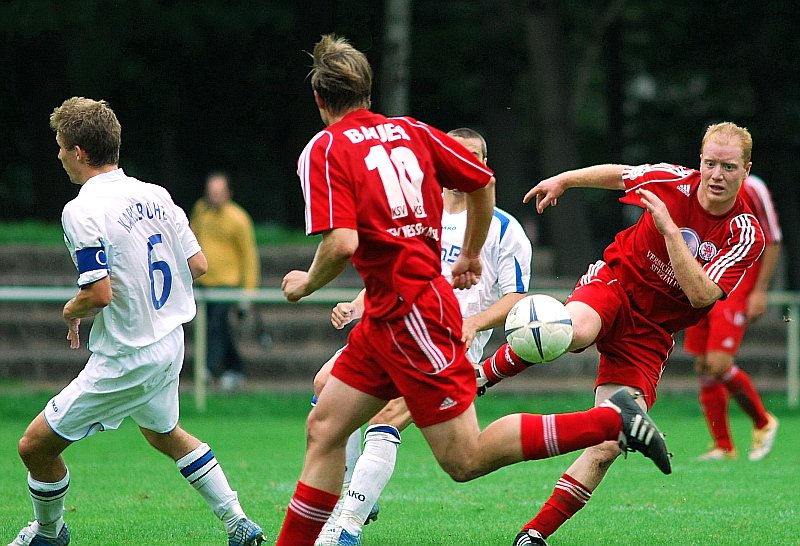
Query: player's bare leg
{"x":739,"y":386}
{"x":331,"y":530}
{"x":574,"y":488}
{"x":48,"y":482}
{"x":372,"y":472}
{"x":504,"y":363}
{"x":197,"y":463}
{"x":340,"y":410}
{"x":465,"y":453}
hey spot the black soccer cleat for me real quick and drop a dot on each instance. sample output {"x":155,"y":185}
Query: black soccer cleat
{"x":529,"y":537}
{"x":639,"y":432}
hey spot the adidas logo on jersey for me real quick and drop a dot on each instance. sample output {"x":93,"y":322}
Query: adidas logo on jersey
{"x":447,"y":403}
{"x":684,"y":189}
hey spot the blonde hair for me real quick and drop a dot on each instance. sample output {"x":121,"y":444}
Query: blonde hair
{"x":90,"y":124}
{"x":341,"y":75}
{"x":725,"y":132}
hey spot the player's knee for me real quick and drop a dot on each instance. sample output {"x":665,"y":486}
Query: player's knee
{"x":318,"y":436}
{"x":461,"y":469}
{"x":718,"y":364}
{"x":319,"y":382}
{"x":28,"y":449}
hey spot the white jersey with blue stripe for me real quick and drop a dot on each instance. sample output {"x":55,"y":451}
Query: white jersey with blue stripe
{"x":506,"y":261}
{"x":133,"y":231}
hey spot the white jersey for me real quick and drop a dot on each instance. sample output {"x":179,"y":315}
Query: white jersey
{"x":133,"y":231}
{"x":505,"y":259}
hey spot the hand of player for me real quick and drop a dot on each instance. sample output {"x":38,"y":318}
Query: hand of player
{"x":72,"y":333}
{"x":756,"y":305}
{"x":658,"y":210}
{"x":295,"y":285}
{"x":466,"y":271}
{"x":468,"y":331}
{"x":342,"y":314}
{"x":546,"y":193}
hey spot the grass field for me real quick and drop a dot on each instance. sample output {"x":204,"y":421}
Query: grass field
{"x":124,"y":493}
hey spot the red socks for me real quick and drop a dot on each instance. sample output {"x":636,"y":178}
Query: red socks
{"x":568,"y":497}
{"x":545,"y":436}
{"x":502,"y":364}
{"x":714,"y":402}
{"x":308,"y":511}
{"x":742,"y":389}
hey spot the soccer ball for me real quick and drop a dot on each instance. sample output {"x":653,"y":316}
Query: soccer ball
{"x":539,"y":328}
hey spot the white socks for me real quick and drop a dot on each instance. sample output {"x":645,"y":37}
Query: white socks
{"x":370,"y":476}
{"x":201,"y":469}
{"x":48,"y":505}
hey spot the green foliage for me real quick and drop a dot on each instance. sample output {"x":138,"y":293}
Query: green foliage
{"x":32,"y":232}
{"x":272,"y":235}
{"x":124,"y":493}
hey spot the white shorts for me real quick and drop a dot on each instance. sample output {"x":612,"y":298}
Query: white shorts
{"x":142,"y":385}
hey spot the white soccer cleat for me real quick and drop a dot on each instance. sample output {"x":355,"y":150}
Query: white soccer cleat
{"x":329,"y":536}
{"x":718,"y":454}
{"x":27,"y":537}
{"x":763,"y":438}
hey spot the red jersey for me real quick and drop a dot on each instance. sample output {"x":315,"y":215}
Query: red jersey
{"x":757,"y":197}
{"x":383,"y":177}
{"x":726,"y":246}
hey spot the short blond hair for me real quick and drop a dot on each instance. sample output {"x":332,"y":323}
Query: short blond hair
{"x":341,"y":75}
{"x":90,"y":124}
{"x":727,"y":131}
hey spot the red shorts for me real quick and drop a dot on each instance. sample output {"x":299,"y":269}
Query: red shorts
{"x":419,"y":356}
{"x":722,"y":329}
{"x":633,"y":350}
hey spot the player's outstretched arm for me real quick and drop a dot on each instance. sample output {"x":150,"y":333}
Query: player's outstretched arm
{"x":547,"y":192}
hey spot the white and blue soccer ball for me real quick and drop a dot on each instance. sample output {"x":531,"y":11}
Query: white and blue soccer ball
{"x":539,"y":328}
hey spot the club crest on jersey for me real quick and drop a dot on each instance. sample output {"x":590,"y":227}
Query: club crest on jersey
{"x":707,"y":251}
{"x":692,"y":240}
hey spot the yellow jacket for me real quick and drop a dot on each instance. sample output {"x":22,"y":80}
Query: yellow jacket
{"x":227,"y":238}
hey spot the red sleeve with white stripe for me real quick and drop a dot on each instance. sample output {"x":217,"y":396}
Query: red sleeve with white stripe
{"x":328,"y":195}
{"x":656,"y":178}
{"x":758,"y":198}
{"x":742,"y":248}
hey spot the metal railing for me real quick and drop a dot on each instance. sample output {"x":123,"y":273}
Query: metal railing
{"x":330,"y":296}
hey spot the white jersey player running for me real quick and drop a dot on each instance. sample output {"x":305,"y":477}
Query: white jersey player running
{"x":505,"y":279}
{"x":136,"y":259}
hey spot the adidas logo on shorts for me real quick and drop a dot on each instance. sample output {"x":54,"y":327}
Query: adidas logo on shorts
{"x":447,"y":403}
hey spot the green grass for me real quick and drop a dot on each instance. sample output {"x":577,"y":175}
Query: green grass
{"x":124,"y":493}
{"x":32,"y":232}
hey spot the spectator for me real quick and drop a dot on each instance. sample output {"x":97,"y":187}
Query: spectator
{"x":225,"y":231}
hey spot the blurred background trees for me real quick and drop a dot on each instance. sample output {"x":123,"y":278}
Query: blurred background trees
{"x":553,"y":85}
